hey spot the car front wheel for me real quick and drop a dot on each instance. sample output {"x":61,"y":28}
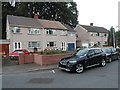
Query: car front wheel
{"x":103,"y":63}
{"x":79,"y":68}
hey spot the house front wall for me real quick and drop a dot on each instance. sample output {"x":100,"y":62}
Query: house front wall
{"x":95,"y":39}
{"x":71,"y":38}
{"x":59,"y":39}
{"x":82,"y":36}
{"x":24,"y":38}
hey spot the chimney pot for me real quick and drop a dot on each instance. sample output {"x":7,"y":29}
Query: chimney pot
{"x":36,"y":16}
{"x":91,"y":24}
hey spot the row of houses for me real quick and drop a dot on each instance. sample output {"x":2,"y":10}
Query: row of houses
{"x":30,"y":33}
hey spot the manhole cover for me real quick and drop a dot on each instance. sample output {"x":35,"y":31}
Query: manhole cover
{"x":41,"y":80}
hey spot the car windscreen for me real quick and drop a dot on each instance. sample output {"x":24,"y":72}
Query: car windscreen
{"x":82,"y":52}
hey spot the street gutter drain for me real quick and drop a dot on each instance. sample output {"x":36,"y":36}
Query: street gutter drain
{"x":41,"y":80}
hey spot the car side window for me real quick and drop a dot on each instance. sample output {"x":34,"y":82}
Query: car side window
{"x":91,"y":52}
{"x":98,"y":51}
{"x":113,"y":50}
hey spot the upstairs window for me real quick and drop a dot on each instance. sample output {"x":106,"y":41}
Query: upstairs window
{"x":16,"y":30}
{"x":34,"y":31}
{"x":105,"y":34}
{"x":91,"y":34}
{"x":51,"y":32}
{"x":97,"y":34}
{"x":71,"y":34}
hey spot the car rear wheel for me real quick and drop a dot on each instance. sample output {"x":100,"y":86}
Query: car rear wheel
{"x":110,"y":60}
{"x":103,"y":63}
{"x":118,"y":57}
{"x":79,"y":68}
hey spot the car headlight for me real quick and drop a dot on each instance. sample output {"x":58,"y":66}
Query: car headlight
{"x":73,"y":61}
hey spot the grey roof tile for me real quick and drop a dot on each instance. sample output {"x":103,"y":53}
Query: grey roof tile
{"x":95,"y":29}
{"x":31,"y":22}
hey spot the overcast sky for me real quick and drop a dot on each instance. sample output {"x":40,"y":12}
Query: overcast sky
{"x":103,"y":13}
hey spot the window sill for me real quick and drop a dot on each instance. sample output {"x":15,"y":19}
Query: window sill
{"x":34,"y":34}
{"x":63,"y":35}
{"x":17,"y":33}
{"x":33,"y":48}
{"x":51,"y":35}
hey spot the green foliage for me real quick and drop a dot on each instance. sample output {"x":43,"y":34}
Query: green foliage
{"x":111,"y":37}
{"x":118,"y":38}
{"x":48,"y":52}
{"x":65,"y":12}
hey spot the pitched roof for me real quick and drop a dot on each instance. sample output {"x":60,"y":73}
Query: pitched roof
{"x":71,"y":29}
{"x":95,"y":29}
{"x":31,"y":22}
{"x":52,"y":24}
{"x":23,"y":21}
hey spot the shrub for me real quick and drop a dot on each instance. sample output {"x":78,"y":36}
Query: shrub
{"x":47,"y":52}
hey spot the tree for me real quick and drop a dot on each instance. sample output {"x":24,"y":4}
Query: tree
{"x":111,"y":37}
{"x":65,"y":12}
{"x":118,"y":38}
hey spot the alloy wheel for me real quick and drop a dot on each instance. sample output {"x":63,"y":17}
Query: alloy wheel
{"x":103,"y":63}
{"x":110,"y":60}
{"x":79,"y":68}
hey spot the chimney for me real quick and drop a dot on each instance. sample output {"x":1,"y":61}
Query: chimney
{"x":91,"y":24}
{"x":36,"y":16}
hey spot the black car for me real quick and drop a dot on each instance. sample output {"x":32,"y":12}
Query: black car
{"x":111,"y":54}
{"x":84,"y":58}
{"x":118,"y":50}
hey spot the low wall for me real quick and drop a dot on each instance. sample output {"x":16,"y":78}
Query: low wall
{"x":25,"y":59}
{"x":48,"y":59}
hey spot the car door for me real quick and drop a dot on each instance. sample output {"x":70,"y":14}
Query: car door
{"x":98,"y":56}
{"x":91,"y":57}
{"x":113,"y":53}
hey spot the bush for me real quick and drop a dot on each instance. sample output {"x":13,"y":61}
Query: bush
{"x":47,"y":52}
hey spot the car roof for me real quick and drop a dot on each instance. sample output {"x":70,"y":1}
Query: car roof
{"x":90,"y":48}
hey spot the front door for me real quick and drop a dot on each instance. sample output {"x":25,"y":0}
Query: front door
{"x":71,"y":46}
{"x":91,"y":59}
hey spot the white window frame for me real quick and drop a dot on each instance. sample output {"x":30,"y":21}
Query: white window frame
{"x":71,"y":34}
{"x":17,"y":45}
{"x":54,"y":32}
{"x":91,"y":34}
{"x":30,"y":44}
{"x":33,"y":31}
{"x":15,"y":30}
{"x":63,"y":46}
{"x":48,"y":44}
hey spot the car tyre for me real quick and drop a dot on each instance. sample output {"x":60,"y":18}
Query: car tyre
{"x":79,"y":68}
{"x":110,"y":60}
{"x":103,"y":63}
{"x":118,"y":58}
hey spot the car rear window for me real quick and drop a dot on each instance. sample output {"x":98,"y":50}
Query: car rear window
{"x":107,"y":50}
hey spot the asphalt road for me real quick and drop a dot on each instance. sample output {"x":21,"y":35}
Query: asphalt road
{"x":97,"y":77}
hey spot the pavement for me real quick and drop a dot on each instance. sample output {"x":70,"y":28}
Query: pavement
{"x":10,"y":69}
